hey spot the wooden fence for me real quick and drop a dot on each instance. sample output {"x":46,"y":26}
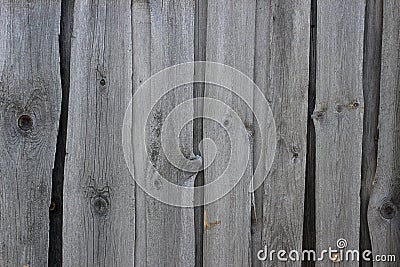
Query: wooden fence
{"x":329,"y":70}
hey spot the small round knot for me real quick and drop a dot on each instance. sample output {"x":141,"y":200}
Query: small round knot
{"x":354,"y":104}
{"x":318,"y":114}
{"x":102,"y":82}
{"x":101,"y":205}
{"x":339,"y":108}
{"x":25,"y":122}
{"x":157,"y":184}
{"x":388,"y":210}
{"x":295,"y":152}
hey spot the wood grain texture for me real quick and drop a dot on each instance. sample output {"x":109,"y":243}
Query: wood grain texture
{"x":30,"y":85}
{"x":230,"y":40}
{"x":371,"y":85}
{"x":99,"y":205}
{"x":281,"y":71}
{"x":338,"y":120}
{"x":383,"y":212}
{"x":163,"y":35}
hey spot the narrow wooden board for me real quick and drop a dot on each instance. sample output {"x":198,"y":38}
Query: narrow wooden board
{"x":163,"y":36}
{"x":338,"y":120}
{"x":384,"y":206}
{"x":99,"y":205}
{"x":230,"y":40}
{"x":371,"y":84}
{"x":282,"y":73}
{"x":30,"y":85}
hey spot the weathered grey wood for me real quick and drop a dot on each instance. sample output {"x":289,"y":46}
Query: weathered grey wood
{"x":281,"y":71}
{"x":371,"y":85}
{"x":30,"y":85}
{"x":383,"y":211}
{"x":261,"y":74}
{"x":99,"y":205}
{"x":338,"y":119}
{"x":230,"y":40}
{"x":163,"y":35}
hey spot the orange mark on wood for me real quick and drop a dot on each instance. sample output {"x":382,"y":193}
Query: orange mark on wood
{"x":335,"y":257}
{"x":208,"y":225}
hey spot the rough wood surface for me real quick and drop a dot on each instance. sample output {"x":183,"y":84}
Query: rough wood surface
{"x":99,"y":206}
{"x":281,"y":71}
{"x":88,"y":58}
{"x":163,"y":35}
{"x":383,"y":212}
{"x":371,"y":85}
{"x":30,"y":86}
{"x":230,"y":40}
{"x":338,"y":119}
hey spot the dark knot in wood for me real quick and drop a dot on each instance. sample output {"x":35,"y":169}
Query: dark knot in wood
{"x":388,"y":210}
{"x":101,"y":205}
{"x":25,"y":122}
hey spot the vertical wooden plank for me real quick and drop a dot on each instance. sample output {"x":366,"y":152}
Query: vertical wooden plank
{"x":30,"y":98}
{"x":338,"y":119}
{"x":99,"y":206}
{"x":230,"y":40}
{"x":163,"y":35}
{"x":371,"y":85}
{"x":281,"y":71}
{"x":383,"y":212}
{"x":261,"y":78}
{"x":141,"y":36}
